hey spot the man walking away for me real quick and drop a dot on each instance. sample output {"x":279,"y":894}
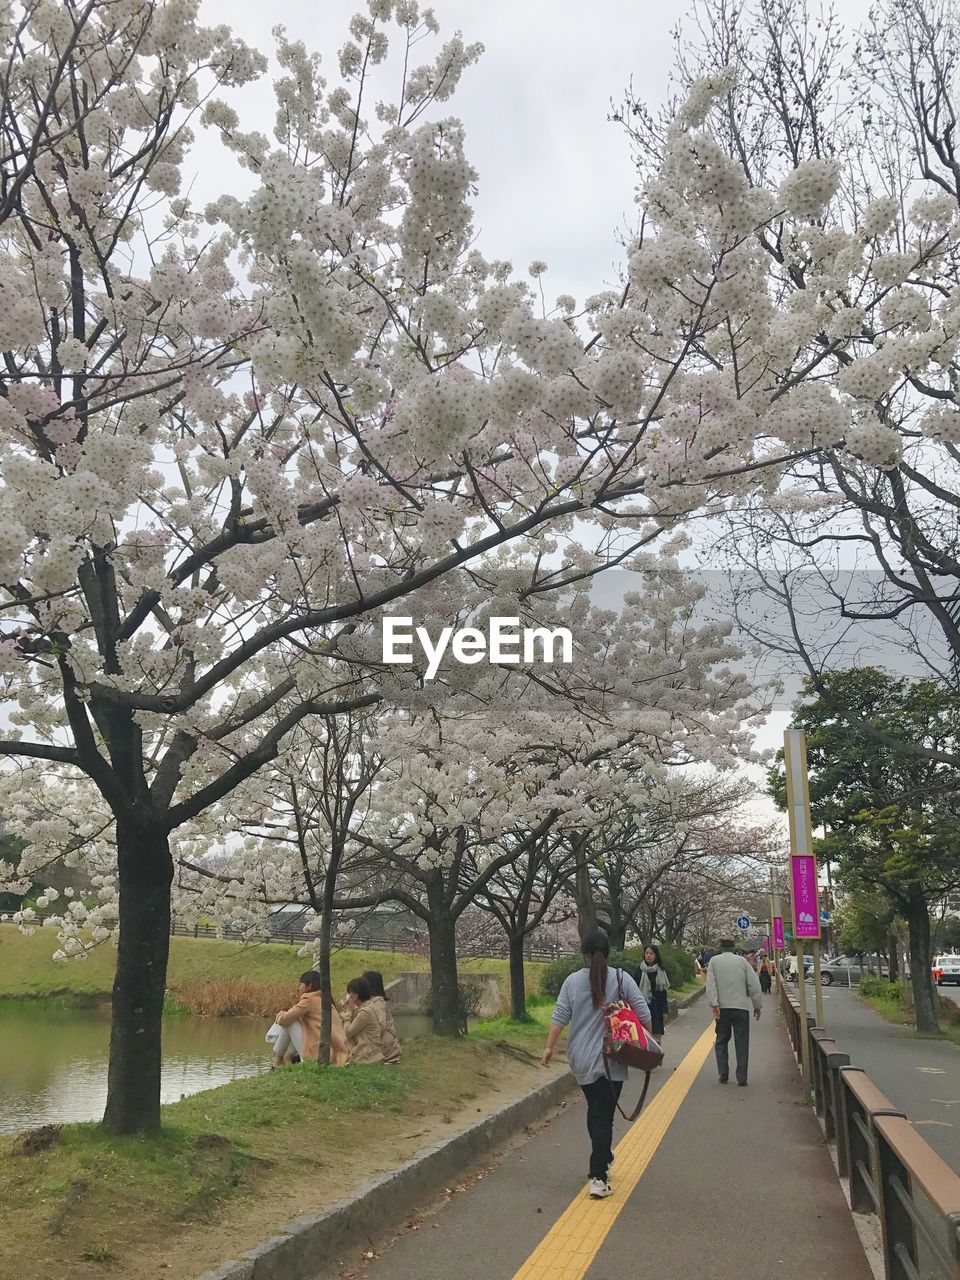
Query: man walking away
{"x":732,"y":988}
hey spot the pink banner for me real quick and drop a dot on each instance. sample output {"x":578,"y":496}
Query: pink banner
{"x":778,"y":941}
{"x":806,"y":909}
{"x":766,"y":945}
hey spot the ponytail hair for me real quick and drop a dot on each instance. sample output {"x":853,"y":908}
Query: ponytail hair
{"x":596,"y":947}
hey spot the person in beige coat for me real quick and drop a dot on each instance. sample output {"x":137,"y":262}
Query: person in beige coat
{"x":308,"y":1011}
{"x":361,"y":1024}
{"x":389,"y":1040}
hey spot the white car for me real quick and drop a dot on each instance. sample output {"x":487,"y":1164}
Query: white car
{"x":946,"y":969}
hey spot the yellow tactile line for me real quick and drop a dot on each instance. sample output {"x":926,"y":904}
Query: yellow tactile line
{"x":573,"y":1241}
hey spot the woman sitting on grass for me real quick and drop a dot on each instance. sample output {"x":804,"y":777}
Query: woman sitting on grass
{"x":361,"y":1024}
{"x":389,"y":1040}
{"x":307,"y":1015}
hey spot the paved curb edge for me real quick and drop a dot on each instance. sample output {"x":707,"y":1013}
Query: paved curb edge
{"x":304,"y":1246}
{"x":692,"y":998}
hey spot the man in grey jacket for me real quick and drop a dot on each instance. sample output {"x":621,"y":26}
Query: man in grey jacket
{"x":732,"y":988}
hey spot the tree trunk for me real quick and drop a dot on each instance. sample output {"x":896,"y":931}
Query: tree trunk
{"x":518,"y":987}
{"x":618,"y":936}
{"x":443,"y":965}
{"x":133,"y":1076}
{"x":586,"y":906}
{"x":921,"y":980}
{"x":893,"y":951}
{"x":323,"y":967}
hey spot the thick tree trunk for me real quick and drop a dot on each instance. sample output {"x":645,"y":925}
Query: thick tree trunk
{"x":133,"y":1076}
{"x":518,"y":986}
{"x":617,"y":934}
{"x":443,"y":965}
{"x":921,"y":980}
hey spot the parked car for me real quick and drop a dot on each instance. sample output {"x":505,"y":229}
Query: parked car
{"x":845,"y":971}
{"x":946,"y":969}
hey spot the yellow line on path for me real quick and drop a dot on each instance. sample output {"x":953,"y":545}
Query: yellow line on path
{"x":574,"y":1240}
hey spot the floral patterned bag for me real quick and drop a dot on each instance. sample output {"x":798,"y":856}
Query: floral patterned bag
{"x":627,"y":1041}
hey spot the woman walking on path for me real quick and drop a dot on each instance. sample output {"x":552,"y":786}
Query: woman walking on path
{"x":766,"y":980}
{"x":651,"y":977}
{"x":580,"y":1003}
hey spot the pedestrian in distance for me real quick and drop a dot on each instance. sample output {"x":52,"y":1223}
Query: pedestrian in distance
{"x":732,"y":988}
{"x":652,"y":979}
{"x":766,"y":978}
{"x":580,"y":1005}
{"x":389,"y":1040}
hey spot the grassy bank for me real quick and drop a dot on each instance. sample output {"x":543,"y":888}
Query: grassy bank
{"x":687,"y":989}
{"x":205,"y":976}
{"x":234,"y":1163}
{"x":888,"y":1003}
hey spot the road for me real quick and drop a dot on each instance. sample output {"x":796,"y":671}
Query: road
{"x":919,"y":1074}
{"x":950,"y":993}
{"x":698,"y":1184}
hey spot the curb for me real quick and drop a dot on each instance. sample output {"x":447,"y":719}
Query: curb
{"x":304,"y":1246}
{"x":687,"y":1001}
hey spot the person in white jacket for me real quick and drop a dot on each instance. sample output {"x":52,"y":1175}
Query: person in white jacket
{"x":732,"y":989}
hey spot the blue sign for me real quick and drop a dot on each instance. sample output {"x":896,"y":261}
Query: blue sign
{"x":824,"y":917}
{"x":743,"y":922}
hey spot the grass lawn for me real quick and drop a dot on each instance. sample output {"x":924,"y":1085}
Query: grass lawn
{"x":26,"y":969}
{"x":687,"y":989}
{"x":890,"y":1008}
{"x":235,"y":1163}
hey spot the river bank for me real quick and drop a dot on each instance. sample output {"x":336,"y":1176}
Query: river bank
{"x":205,"y":976}
{"x":235,"y":1161}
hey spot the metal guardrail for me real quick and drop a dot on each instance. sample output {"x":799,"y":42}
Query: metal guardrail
{"x":363,"y":941}
{"x":892,"y":1172}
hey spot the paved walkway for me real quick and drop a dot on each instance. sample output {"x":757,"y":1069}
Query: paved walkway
{"x":712,"y":1181}
{"x":919,"y":1074}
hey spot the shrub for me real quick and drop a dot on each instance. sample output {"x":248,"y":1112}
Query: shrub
{"x":233,"y":997}
{"x":553,"y":976}
{"x":677,"y":962}
{"x":871,"y":985}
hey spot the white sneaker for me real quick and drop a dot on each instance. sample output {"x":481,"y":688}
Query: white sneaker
{"x":599,"y":1189}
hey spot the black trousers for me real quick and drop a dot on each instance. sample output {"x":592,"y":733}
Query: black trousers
{"x":658,"y":1011}
{"x":601,"y":1098}
{"x":736,"y":1021}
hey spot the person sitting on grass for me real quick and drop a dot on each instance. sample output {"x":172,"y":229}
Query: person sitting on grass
{"x":306,"y":1016}
{"x":389,"y":1040}
{"x":361,"y":1024}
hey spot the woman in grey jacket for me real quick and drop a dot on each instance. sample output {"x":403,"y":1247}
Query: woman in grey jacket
{"x":580,"y":1004}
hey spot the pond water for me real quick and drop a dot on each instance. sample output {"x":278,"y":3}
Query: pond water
{"x":53,"y":1062}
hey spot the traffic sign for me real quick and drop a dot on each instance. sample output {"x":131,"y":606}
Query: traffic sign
{"x":824,"y":917}
{"x":743,"y":922}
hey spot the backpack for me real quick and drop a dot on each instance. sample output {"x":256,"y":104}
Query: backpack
{"x":627,"y":1041}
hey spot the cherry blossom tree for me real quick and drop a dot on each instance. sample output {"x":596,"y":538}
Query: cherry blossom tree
{"x":655,"y":832}
{"x":861,"y":289}
{"x":232,"y":437}
{"x":522,"y":896}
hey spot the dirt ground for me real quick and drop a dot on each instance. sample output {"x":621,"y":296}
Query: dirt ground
{"x":77,"y":1235}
